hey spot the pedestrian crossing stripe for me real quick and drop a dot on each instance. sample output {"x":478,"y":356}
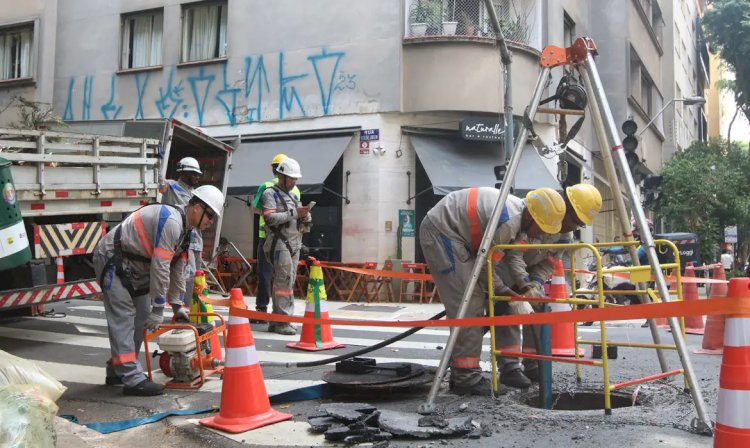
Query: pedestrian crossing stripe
{"x":59,"y":240}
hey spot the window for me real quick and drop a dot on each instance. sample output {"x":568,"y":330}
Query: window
{"x":204,"y":32}
{"x":141,"y":40}
{"x":646,"y":92}
{"x":569,"y":30}
{"x":657,"y":21}
{"x":16,"y":49}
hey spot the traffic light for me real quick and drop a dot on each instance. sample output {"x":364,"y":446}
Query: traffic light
{"x":630,"y":142}
{"x":500,"y":171}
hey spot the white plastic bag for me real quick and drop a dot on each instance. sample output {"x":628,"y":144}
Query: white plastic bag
{"x":27,"y":417}
{"x":15,"y":370}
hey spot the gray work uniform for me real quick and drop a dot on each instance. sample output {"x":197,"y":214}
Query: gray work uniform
{"x":450,"y":236}
{"x":282,"y":246}
{"x":178,"y":193}
{"x":151,"y":272}
{"x":528,"y":265}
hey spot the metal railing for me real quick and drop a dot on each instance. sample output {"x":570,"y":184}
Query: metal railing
{"x":469,"y":18}
{"x":579,"y":297}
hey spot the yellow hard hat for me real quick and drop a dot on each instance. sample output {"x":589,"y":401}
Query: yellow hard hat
{"x":547,"y":207}
{"x":278,"y":158}
{"x":586,"y":201}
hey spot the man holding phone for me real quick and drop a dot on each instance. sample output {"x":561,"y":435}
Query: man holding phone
{"x":284,"y":216}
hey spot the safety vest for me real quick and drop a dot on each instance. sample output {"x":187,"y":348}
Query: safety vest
{"x":262,"y":221}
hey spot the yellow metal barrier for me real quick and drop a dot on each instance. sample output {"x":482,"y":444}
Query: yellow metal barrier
{"x":637,"y":274}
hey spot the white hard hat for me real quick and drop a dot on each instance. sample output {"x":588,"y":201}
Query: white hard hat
{"x":289,"y":167}
{"x":212,"y":197}
{"x":189,"y":164}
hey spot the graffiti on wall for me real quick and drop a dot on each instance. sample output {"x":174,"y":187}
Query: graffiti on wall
{"x":267,"y":88}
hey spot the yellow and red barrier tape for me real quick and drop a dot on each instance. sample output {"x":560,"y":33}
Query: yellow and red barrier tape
{"x":712,"y":306}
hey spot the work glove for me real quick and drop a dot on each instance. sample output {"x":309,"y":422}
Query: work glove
{"x":155,"y":318}
{"x":533,"y":289}
{"x":180,"y":313}
{"x":517,"y":307}
{"x":502,"y":290}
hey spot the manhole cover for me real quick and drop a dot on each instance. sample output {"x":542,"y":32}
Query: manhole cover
{"x":585,"y":401}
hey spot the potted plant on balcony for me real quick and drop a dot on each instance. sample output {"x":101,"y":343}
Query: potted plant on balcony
{"x":449,"y":19}
{"x":425,"y":16}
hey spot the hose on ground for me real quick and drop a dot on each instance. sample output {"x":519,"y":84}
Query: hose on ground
{"x":362,"y":351}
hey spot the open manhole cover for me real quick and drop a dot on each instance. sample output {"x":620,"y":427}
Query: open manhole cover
{"x":585,"y":400}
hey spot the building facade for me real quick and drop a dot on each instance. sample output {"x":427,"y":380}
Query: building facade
{"x":387,"y":104}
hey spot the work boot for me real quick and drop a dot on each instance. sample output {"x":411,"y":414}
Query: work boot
{"x":532,"y":374}
{"x":259,"y":321}
{"x":515,"y":379}
{"x":144,"y":389}
{"x":271,"y":327}
{"x":285,"y":329}
{"x":112,"y":380}
{"x":481,"y":387}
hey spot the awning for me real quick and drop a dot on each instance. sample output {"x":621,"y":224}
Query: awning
{"x":251,"y":162}
{"x":454,"y":164}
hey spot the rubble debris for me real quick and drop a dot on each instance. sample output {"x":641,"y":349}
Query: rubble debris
{"x":322,"y":424}
{"x":402,"y":423}
{"x":432,"y":420}
{"x":345,"y":415}
{"x":463,"y":407}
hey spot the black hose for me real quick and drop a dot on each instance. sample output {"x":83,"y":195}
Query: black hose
{"x":361,"y":351}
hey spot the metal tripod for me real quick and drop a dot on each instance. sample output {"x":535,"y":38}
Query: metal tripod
{"x":581,"y":57}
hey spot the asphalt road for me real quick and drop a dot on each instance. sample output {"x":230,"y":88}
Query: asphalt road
{"x":74,"y":347}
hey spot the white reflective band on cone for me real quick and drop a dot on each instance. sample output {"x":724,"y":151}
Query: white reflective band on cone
{"x":559,"y":306}
{"x":558,"y":280}
{"x":733,"y":408}
{"x":310,"y":307}
{"x":237,"y":320}
{"x":737,"y":332}
{"x":241,"y":356}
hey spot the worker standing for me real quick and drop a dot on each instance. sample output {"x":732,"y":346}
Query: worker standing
{"x":140,"y":265}
{"x":178,"y":193}
{"x":265,"y":268}
{"x":450,"y":236}
{"x":283,"y":214}
{"x":527,"y":271}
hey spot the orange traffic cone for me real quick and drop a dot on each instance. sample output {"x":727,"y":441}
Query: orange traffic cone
{"x":244,"y":400}
{"x":693,"y":324}
{"x":563,"y":335}
{"x":316,"y":337}
{"x":732,"y":418}
{"x":713,"y":338}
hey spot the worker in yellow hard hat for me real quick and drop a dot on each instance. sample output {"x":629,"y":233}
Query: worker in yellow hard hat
{"x":450,"y":237}
{"x":265,"y":268}
{"x":527,"y":271}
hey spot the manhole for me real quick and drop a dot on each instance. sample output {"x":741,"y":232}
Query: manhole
{"x":585,"y":401}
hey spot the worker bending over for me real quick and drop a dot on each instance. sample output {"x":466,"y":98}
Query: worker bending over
{"x":527,"y":271}
{"x":140,"y":265}
{"x":450,"y":236}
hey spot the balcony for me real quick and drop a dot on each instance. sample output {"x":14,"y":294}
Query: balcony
{"x":468,"y":19}
{"x":458,"y":69}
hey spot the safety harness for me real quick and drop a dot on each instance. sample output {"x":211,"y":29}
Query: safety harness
{"x":119,"y":255}
{"x":276,"y":230}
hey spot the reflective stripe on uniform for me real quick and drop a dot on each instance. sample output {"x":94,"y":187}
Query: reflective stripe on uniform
{"x":465,"y":363}
{"x":476,"y":226}
{"x":241,"y":356}
{"x":142,"y":235}
{"x":163,"y":253}
{"x":124,"y":358}
{"x":283,"y":292}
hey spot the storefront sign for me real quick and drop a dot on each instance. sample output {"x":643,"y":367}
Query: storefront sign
{"x":369,"y":135}
{"x":730,"y":234}
{"x":486,"y":130}
{"x":364,"y":148}
{"x":406,"y":222}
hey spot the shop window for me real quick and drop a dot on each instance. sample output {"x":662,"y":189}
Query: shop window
{"x":204,"y":31}
{"x":16,"y":52}
{"x":141,"y":39}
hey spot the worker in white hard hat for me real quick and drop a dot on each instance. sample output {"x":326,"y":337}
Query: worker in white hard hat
{"x":526,"y":273}
{"x":450,"y":236}
{"x":283,"y":213}
{"x":178,"y":192}
{"x":265,"y":268}
{"x":140,"y":265}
